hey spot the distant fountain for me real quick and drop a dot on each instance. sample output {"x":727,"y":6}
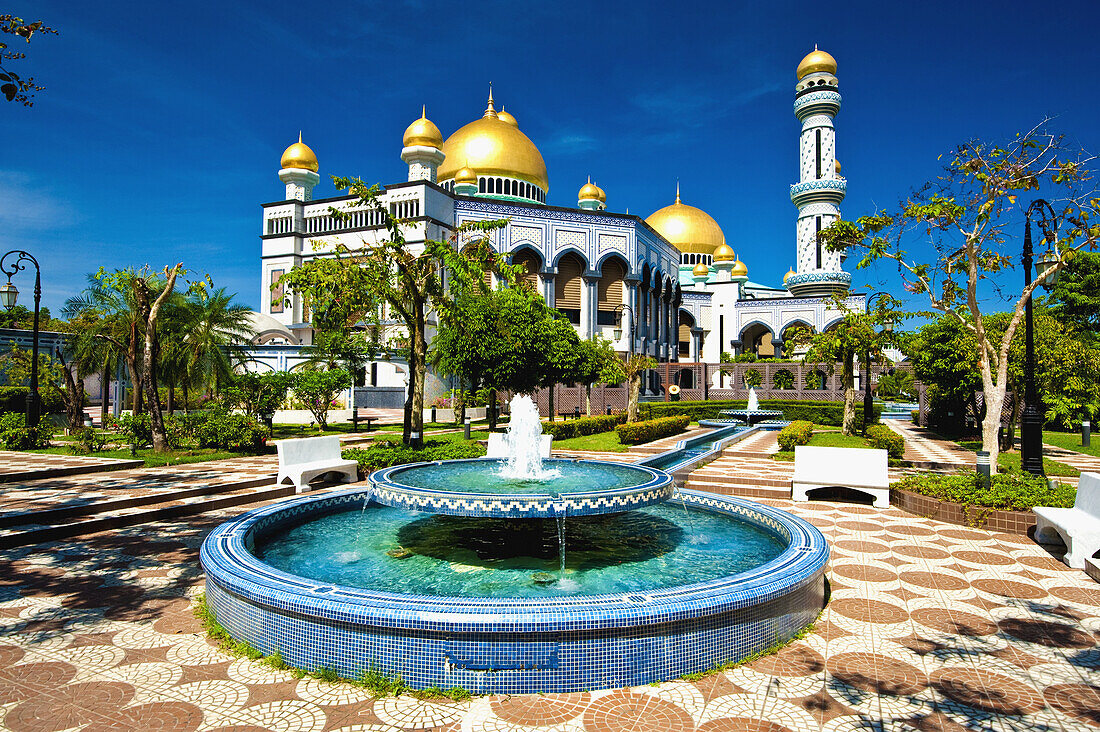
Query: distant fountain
{"x":523,"y":442}
{"x":754,"y":403}
{"x":752,"y":413}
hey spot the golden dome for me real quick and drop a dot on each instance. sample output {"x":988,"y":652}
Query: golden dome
{"x":603,"y":196}
{"x":465,"y":175}
{"x":506,"y":117}
{"x":837,"y":166}
{"x":299,"y":155}
{"x":689,"y":229}
{"x":423,"y":132}
{"x":789,"y":274}
{"x":739,"y":269}
{"x":700,"y":270}
{"x":589,"y":191}
{"x":492,"y":146}
{"x":816,"y":61}
{"x":724,"y":253}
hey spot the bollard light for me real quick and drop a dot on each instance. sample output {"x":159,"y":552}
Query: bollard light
{"x":983,"y":468}
{"x":469,"y":421}
{"x":1086,"y":434}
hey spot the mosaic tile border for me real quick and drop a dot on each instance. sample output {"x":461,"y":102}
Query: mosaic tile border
{"x":387,"y":490}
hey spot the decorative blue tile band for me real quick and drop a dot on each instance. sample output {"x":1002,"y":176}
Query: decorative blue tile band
{"x":513,"y":645}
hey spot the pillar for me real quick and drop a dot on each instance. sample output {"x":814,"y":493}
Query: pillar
{"x":546,"y":279}
{"x":589,"y":304}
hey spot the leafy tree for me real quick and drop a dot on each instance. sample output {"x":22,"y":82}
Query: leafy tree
{"x":207,"y":326}
{"x":13,"y":86}
{"x":944,"y":355}
{"x":896,"y":385}
{"x":318,"y":389}
{"x":562,"y":361}
{"x":966,"y":218}
{"x":629,"y":368}
{"x":408,"y":282}
{"x":259,"y":394}
{"x":1075,"y":297}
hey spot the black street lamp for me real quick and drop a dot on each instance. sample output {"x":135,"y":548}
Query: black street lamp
{"x":8,"y":295}
{"x":618,"y":331}
{"x":1034,"y":413}
{"x":868,"y":401}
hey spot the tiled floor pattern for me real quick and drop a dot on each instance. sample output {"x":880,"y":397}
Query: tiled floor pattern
{"x":81,"y":490}
{"x":930,"y":627}
{"x":31,"y":466}
{"x":923,"y":445}
{"x":1079,"y":460}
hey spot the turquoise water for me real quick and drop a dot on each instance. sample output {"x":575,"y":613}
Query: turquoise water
{"x":482,"y":476}
{"x":647,"y":549}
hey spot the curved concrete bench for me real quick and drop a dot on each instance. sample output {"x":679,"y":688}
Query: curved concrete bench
{"x":1077,"y":527}
{"x":304,"y":459}
{"x":864,"y":470}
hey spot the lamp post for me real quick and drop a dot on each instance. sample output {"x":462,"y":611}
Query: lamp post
{"x":868,"y":402}
{"x":618,"y":331}
{"x":8,"y":295}
{"x":1032,"y":416}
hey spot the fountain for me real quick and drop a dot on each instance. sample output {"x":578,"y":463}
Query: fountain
{"x":752,"y":412}
{"x":456,"y":573}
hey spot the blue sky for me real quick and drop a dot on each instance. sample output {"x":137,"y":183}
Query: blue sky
{"x":160,"y":130}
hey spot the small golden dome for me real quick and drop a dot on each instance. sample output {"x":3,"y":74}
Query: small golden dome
{"x":691,"y":230}
{"x":602,"y":195}
{"x":700,"y":270}
{"x":816,"y":61}
{"x":299,"y":155}
{"x":789,"y":274}
{"x":423,"y":132}
{"x":724,"y":253}
{"x":838,"y":167}
{"x":589,"y":191}
{"x":492,"y":146}
{"x":739,"y":269}
{"x":465,"y":175}
{"x":506,"y":117}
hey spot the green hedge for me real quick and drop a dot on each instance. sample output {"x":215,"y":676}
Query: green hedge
{"x":1010,"y":490}
{"x":830,"y":413}
{"x":881,"y":437}
{"x":584,"y":426}
{"x":384,"y":453}
{"x":796,"y":433}
{"x":635,"y":433}
{"x":14,"y":399}
{"x":16,"y":435}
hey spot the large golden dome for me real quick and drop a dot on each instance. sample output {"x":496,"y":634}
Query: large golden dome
{"x":814,"y":61}
{"x":299,"y":155}
{"x":422,"y":132}
{"x":689,"y":229}
{"x":494,"y":147}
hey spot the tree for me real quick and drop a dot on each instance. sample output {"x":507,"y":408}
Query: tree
{"x":318,"y":389}
{"x":13,"y":86}
{"x":410,"y":282}
{"x":965,"y":218}
{"x":208,"y":327}
{"x":944,"y":355}
{"x":259,"y":395}
{"x":1075,"y":297}
{"x":562,"y":361}
{"x":628,"y":368}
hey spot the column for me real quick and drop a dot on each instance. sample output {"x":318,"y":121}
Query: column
{"x":777,"y":344}
{"x":546,"y":279}
{"x":642,"y":329}
{"x":674,"y":328}
{"x":589,"y":304}
{"x":630,"y":299}
{"x":696,"y":344}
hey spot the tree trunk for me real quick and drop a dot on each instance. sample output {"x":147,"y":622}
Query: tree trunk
{"x":105,"y":391}
{"x":847,"y":375}
{"x":150,"y":311}
{"x":994,"y":407}
{"x":171,"y":399}
{"x":550,"y":402}
{"x":491,"y":410}
{"x":418,"y":351}
{"x":634,"y":386}
{"x":588,"y":399}
{"x":460,"y":408}
{"x":74,"y":396}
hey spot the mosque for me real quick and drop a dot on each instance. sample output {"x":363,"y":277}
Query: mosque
{"x":669,"y":285}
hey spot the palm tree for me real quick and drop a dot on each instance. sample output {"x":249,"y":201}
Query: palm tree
{"x":211,"y":330}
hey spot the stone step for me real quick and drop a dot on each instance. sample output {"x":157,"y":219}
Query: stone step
{"x":731,"y":478}
{"x":743,"y":490}
{"x":169,"y":507}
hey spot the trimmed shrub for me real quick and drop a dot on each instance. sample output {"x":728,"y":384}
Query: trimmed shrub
{"x":1011,"y":490}
{"x":796,"y":433}
{"x":829,"y":413}
{"x":16,"y":435}
{"x":384,"y":453}
{"x":137,"y":432}
{"x":914,"y":417}
{"x":881,"y":437}
{"x":86,"y":440}
{"x":229,"y":431}
{"x":584,"y":426}
{"x":635,"y":433}
{"x":14,"y":399}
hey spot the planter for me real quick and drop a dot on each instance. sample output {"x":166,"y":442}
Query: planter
{"x":977,"y":517}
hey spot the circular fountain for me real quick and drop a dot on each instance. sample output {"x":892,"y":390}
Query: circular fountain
{"x":515,"y":582}
{"x":752,"y":413}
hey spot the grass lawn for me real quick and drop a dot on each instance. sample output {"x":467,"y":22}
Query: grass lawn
{"x":154,"y":459}
{"x":1011,"y":461}
{"x":601,"y":441}
{"x":829,"y":438}
{"x":1072,"y":441}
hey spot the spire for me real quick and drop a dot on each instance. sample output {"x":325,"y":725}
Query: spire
{"x":299,"y":135}
{"x":677,"y":190}
{"x":423,"y":111}
{"x":490,"y":110}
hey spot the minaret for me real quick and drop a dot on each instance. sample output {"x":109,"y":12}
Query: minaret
{"x":422,"y":149}
{"x":298,"y":169}
{"x":820,"y":188}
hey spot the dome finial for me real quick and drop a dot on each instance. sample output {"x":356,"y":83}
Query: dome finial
{"x":677,"y":190}
{"x":490,"y":110}
{"x":299,"y":135}
{"x":423,"y":111}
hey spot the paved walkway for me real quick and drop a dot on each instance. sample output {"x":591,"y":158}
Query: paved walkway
{"x":930,"y":627}
{"x":1079,"y":460}
{"x":19,"y":466}
{"x":922,"y":445}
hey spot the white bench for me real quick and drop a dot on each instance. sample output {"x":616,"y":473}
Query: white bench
{"x":307,"y":458}
{"x":1078,"y":527}
{"x":866,"y":471}
{"x":498,"y":447}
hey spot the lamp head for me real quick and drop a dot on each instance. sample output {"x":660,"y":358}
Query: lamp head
{"x":617,"y":333}
{"x":8,"y":295}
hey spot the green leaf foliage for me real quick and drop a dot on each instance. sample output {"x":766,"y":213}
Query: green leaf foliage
{"x":796,"y":433}
{"x":384,"y":453}
{"x":1011,"y":491}
{"x":635,"y":433}
{"x":571,"y":428}
{"x":881,"y":437}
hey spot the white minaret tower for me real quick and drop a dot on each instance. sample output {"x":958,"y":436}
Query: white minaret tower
{"x":298,"y":169}
{"x":820,"y":188}
{"x":422,"y":149}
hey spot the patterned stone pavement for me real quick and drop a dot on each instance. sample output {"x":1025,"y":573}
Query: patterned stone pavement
{"x":1083,"y":462}
{"x":930,"y":627}
{"x":925,"y":446}
{"x":19,"y":466}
